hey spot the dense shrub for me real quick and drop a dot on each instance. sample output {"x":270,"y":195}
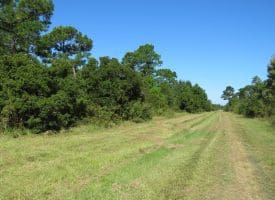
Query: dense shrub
{"x":138,"y":111}
{"x":256,"y":99}
{"x":49,"y":81}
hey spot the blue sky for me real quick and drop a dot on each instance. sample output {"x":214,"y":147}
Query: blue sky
{"x":214,"y":43}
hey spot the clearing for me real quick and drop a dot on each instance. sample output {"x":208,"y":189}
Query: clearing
{"x":214,"y":155}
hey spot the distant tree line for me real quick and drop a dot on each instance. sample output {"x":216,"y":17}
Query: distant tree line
{"x":49,"y":80}
{"x":256,"y":99}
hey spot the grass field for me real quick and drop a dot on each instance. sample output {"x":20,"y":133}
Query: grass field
{"x":213,"y":155}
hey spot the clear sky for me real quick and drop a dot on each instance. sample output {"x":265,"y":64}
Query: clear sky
{"x":214,"y":43}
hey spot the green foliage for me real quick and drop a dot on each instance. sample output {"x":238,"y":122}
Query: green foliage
{"x":228,"y":93}
{"x":192,"y":98}
{"x":61,"y":109}
{"x":271,"y":86}
{"x":143,"y":60}
{"x":114,"y":86}
{"x":166,"y":75}
{"x":63,"y":41}
{"x":252,"y":100}
{"x":153,"y":95}
{"x":138,"y":111}
{"x":21,"y":88}
{"x":49,"y":81}
{"x":256,"y":99}
{"x":271,"y":75}
{"x":21,"y":23}
{"x":166,"y":80}
{"x":31,"y":98}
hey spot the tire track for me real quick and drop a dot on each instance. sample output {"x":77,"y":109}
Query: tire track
{"x":244,"y":185}
{"x":184,"y":174}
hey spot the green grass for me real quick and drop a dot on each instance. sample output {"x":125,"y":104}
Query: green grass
{"x":184,"y":156}
{"x":259,"y":139}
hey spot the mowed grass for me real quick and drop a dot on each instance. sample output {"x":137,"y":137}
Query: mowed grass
{"x":187,"y":156}
{"x":258,"y":137}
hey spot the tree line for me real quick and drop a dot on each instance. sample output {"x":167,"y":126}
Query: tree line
{"x":256,"y":99}
{"x":49,"y":80}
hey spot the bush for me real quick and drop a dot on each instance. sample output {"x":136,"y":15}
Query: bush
{"x":138,"y":112}
{"x":102,"y":115}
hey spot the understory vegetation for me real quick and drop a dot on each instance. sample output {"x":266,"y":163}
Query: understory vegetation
{"x":49,"y":80}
